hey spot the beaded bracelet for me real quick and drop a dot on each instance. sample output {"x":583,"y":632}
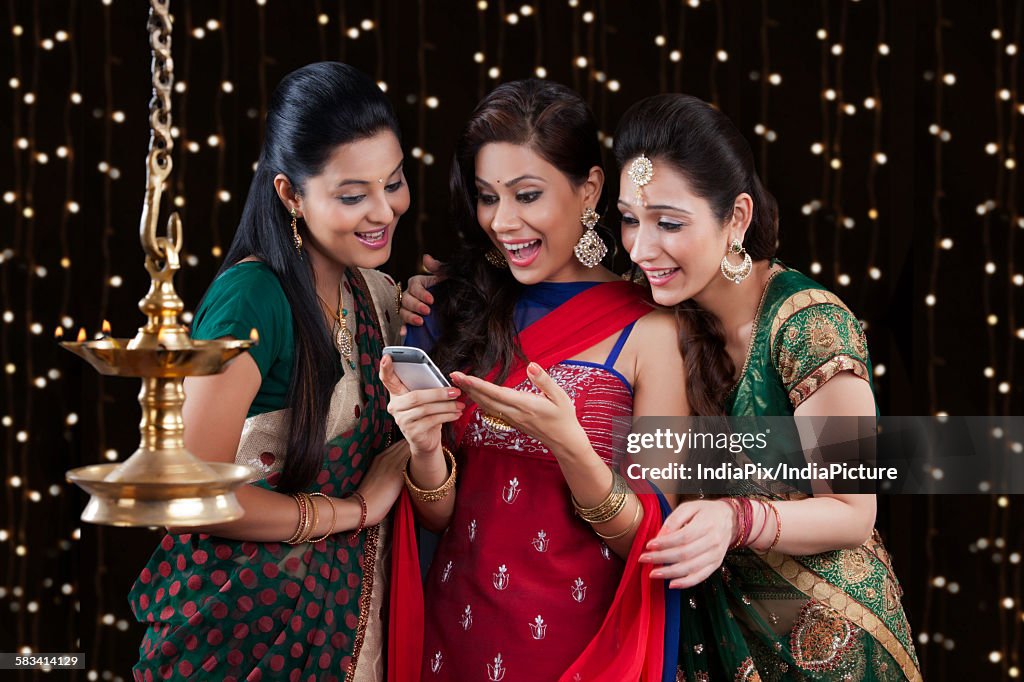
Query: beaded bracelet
{"x":362,"y":511}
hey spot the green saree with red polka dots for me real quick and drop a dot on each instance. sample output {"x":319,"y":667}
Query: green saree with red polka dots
{"x":231,"y":610}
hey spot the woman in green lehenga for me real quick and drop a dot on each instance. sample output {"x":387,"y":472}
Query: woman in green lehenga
{"x":810,"y":593}
{"x":294,"y":590}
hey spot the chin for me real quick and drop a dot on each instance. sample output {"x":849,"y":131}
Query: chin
{"x":669,"y":297}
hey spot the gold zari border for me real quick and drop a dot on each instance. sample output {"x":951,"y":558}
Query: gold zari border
{"x":833,"y":366}
{"x":816,"y":587}
{"x":365,"y":595}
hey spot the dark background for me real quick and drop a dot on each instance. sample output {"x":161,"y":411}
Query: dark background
{"x":63,"y":586}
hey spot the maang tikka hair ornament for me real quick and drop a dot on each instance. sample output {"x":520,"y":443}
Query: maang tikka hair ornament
{"x":641,"y":171}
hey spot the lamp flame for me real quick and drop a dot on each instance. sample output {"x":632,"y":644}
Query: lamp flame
{"x":82,"y":336}
{"x":59,"y":334}
{"x":106,"y":328}
{"x":254,"y":335}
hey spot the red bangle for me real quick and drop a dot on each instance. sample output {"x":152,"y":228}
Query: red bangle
{"x":738,"y":509}
{"x":748,"y":524}
{"x":362,"y":511}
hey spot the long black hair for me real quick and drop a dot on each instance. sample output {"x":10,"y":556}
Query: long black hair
{"x":312,"y":111}
{"x":476,"y":309}
{"x":702,"y":144}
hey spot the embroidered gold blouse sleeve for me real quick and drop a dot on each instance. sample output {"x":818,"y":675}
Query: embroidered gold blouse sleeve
{"x":814,"y":337}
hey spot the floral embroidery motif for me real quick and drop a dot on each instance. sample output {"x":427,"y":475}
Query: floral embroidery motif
{"x":496,"y":670}
{"x":472,"y":530}
{"x":466,"y":620}
{"x":821,"y":637}
{"x":575,"y":380}
{"x":500,"y":579}
{"x":823,"y":336}
{"x":538,"y":628}
{"x":579,"y":590}
{"x":510,"y":492}
{"x":436,"y":662}
{"x":541,"y":542}
{"x":447,"y":572}
{"x":855,"y":567}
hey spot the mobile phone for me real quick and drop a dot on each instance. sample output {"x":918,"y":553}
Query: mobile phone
{"x":415,"y":368}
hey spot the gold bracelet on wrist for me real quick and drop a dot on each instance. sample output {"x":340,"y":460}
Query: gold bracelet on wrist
{"x":629,"y":529}
{"x":300,"y":502}
{"x":334,"y":518}
{"x":438,"y":493}
{"x":312,"y":519}
{"x":611,"y":507}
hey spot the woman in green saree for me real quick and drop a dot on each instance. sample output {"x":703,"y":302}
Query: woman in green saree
{"x":779,"y":584}
{"x":294,"y":589}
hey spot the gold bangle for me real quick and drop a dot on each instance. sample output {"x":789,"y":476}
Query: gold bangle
{"x":300,"y":502}
{"x":312,"y":519}
{"x":629,"y":529}
{"x":334,"y":518}
{"x":778,"y":528}
{"x":610,"y":507}
{"x":438,"y":493}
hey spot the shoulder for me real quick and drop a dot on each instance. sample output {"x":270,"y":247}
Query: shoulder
{"x":655,"y":341}
{"x":658,"y":327}
{"x":246,"y":289}
{"x":249,"y":273}
{"x":814,"y":337}
{"x":815,"y":316}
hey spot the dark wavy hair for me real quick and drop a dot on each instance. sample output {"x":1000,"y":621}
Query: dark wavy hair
{"x":313,"y":110}
{"x":702,"y":144}
{"x":477,"y":301}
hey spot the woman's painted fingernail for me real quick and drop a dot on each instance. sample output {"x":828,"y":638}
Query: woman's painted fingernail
{"x":653,"y":544}
{"x":461,"y":406}
{"x":657,"y":574}
{"x":454,"y":392}
{"x":424,"y":310}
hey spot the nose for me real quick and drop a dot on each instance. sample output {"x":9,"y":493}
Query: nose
{"x":645,"y":247}
{"x":505,"y":217}
{"x":381,"y":212}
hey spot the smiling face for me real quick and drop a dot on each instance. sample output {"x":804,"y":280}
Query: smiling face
{"x":676,"y":238}
{"x":530,"y":211}
{"x":351,"y":208}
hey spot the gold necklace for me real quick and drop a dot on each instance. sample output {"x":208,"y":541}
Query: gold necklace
{"x":342,"y":335}
{"x":753,"y":329}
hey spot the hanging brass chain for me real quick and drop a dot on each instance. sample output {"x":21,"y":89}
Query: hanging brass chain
{"x":161,"y":252}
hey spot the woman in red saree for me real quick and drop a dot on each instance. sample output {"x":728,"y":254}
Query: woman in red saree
{"x":536,"y":576}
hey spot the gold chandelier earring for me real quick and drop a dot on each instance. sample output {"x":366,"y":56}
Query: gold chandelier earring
{"x":296,"y":237}
{"x":590,"y":250}
{"x":495,"y":258}
{"x":736,"y":273}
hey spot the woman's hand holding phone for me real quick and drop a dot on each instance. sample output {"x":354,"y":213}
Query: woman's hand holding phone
{"x":420,"y":414}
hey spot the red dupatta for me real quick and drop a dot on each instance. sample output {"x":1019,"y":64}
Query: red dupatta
{"x":629,"y":645}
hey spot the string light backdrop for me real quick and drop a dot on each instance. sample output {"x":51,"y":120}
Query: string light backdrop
{"x":888,"y":133}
